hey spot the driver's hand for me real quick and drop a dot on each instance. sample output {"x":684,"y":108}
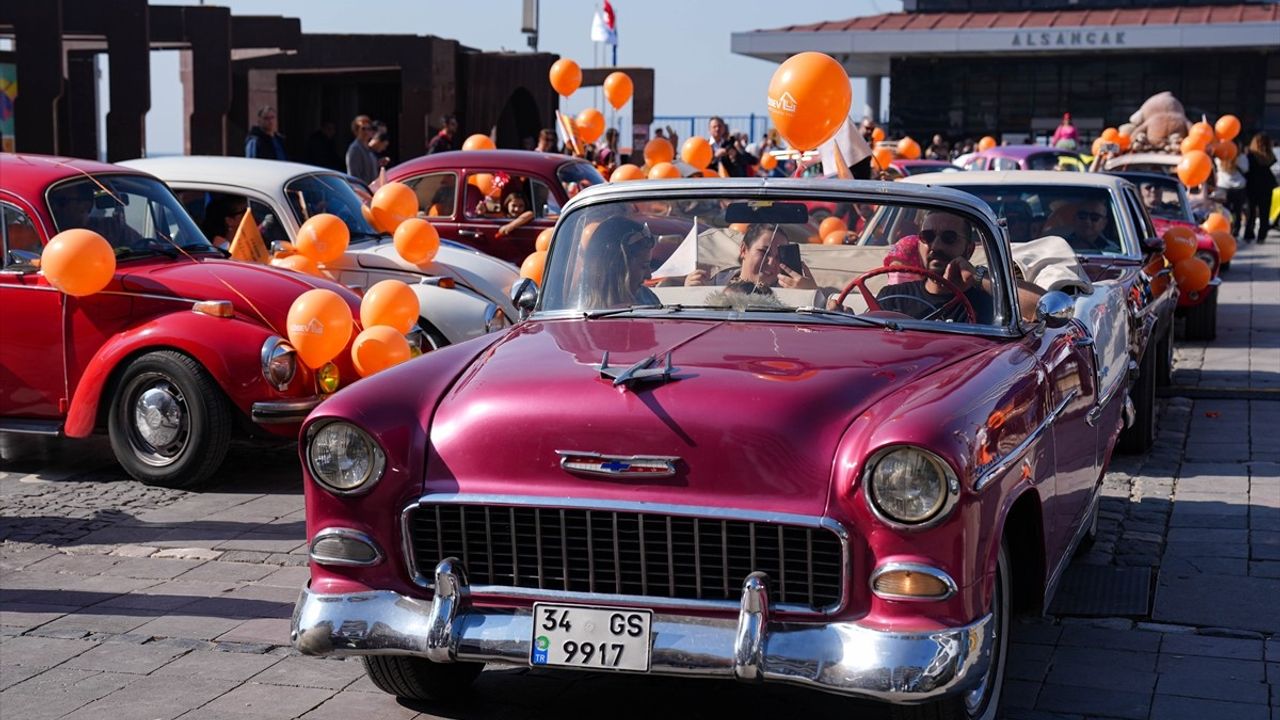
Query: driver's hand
{"x":961,"y":272}
{"x":697,"y":277}
{"x":789,"y":278}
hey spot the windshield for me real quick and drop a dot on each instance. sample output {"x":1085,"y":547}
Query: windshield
{"x":734,"y":255}
{"x":1084,"y":216}
{"x":1053,"y":161}
{"x":313,"y":194}
{"x":137,"y":215}
{"x":1163,"y":198}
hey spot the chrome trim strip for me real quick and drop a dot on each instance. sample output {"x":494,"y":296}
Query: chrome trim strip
{"x":269,"y":412}
{"x":149,"y":296}
{"x":948,"y":504}
{"x":693,"y":511}
{"x":1096,"y":411}
{"x":666,"y":463}
{"x":50,"y":428}
{"x":348,"y":534}
{"x":933,"y":572}
{"x":995,"y":468}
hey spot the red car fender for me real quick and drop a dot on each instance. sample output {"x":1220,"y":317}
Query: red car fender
{"x":228,"y":348}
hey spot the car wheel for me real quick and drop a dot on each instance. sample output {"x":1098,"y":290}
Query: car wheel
{"x":169,"y":423}
{"x":1139,"y":437}
{"x":414,"y":678}
{"x":1164,"y":359}
{"x":983,"y":701}
{"x":1202,"y":320}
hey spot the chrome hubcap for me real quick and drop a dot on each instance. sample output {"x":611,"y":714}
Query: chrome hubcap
{"x":160,"y":422}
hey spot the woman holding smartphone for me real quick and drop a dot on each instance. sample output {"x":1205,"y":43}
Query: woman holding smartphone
{"x":766,"y":258}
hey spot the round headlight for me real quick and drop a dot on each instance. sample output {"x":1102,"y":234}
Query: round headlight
{"x":909,"y":485}
{"x":279,"y":362}
{"x":344,"y":458}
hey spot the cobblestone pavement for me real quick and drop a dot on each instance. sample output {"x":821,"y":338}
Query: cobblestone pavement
{"x":121,"y":601}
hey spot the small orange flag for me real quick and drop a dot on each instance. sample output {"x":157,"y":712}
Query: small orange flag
{"x":248,"y":246}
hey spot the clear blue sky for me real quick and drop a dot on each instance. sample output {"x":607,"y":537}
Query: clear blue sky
{"x":686,"y":42}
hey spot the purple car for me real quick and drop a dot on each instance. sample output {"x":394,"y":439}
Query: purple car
{"x":1025,"y":157}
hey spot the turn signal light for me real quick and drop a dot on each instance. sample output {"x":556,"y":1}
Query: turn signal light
{"x":344,"y":547}
{"x":215,"y":308}
{"x":327,"y":377}
{"x":910,"y":584}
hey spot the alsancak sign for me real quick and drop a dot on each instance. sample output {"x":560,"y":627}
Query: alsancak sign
{"x":1072,"y":38}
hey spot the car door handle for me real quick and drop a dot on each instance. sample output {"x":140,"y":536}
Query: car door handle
{"x":468,"y":233}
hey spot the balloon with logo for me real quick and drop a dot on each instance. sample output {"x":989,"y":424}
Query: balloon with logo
{"x":543,"y":242}
{"x":1192,"y":274}
{"x":1179,"y":243}
{"x":1227,"y":127}
{"x":809,"y":98}
{"x":297,"y":262}
{"x":1194,"y":168}
{"x":986,"y":143}
{"x":319,"y":326}
{"x":478,"y":142}
{"x":882,"y":157}
{"x":768,"y":161}
{"x":1216,"y":222}
{"x":1226,"y":243}
{"x":389,"y":302}
{"x":566,"y":76}
{"x":909,"y":148}
{"x":664,"y":171}
{"x":618,"y":89}
{"x":417,"y":241}
{"x":658,"y":150}
{"x":590,"y":124}
{"x":696,"y":151}
{"x":534,"y":266}
{"x":378,"y":348}
{"x":324,"y":237}
{"x":392,"y":204}
{"x":78,"y":262}
{"x":626,"y":171}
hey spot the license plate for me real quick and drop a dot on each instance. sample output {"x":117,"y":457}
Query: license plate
{"x":591,"y":637}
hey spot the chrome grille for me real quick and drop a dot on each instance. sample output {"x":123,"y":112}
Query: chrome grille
{"x":629,"y":553}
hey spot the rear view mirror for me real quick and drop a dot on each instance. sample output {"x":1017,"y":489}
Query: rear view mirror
{"x":763,"y":211}
{"x":524,"y":295}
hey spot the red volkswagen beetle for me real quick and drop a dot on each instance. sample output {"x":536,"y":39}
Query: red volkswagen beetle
{"x":755,"y":460}
{"x":179,"y":353}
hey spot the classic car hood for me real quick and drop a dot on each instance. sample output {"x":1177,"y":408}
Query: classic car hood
{"x":255,"y":291}
{"x":488,"y":275}
{"x":755,"y":414}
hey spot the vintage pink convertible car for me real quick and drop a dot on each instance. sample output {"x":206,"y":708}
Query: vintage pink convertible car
{"x":828,"y":477}
{"x":182,"y":351}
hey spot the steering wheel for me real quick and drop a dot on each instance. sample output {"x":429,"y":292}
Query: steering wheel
{"x":873,"y":304}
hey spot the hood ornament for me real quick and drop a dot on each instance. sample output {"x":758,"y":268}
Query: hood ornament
{"x":638,"y":373}
{"x":581,"y":462}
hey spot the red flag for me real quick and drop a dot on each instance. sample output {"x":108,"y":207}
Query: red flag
{"x":610,"y":20}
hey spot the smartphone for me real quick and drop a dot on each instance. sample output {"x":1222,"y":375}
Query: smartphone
{"x":1110,"y":148}
{"x":789,"y":255}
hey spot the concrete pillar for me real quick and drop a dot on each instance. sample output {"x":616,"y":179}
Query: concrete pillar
{"x":872,"y":108}
{"x":209,"y":31}
{"x":38,"y":29}
{"x":80,"y":102}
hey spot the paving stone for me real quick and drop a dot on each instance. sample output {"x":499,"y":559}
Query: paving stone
{"x":1182,"y":565}
{"x":188,"y":626}
{"x":269,"y":631}
{"x":155,"y":697}
{"x":312,"y":672}
{"x":1035,"y":632}
{"x":41,"y":652}
{"x":153,"y":568}
{"x":124,"y":658}
{"x":189,"y":554}
{"x":1168,"y":707}
{"x":217,"y":665}
{"x":1094,"y":701}
{"x":1110,"y":639}
{"x":1092,"y":590}
{"x":347,"y":705}
{"x":290,"y":577}
{"x":90,"y":620}
{"x":273,"y":700}
{"x":1105,"y":659}
{"x":226,"y":572}
{"x":1199,"y":600}
{"x":1200,"y":685}
{"x":1221,"y":668}
{"x":1028,"y":662}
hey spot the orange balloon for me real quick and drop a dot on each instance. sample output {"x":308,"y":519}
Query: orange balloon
{"x":78,"y":262}
{"x":740,"y":228}
{"x":323,"y":238}
{"x":909,"y":149}
{"x":768,"y":161}
{"x":1180,"y":243}
{"x":1111,"y":135}
{"x":1192,"y":274}
{"x":297,"y":263}
{"x":1124,"y":140}
{"x":534,"y":266}
{"x":696,"y":151}
{"x":590,"y":124}
{"x":1227,"y":127}
{"x":392,"y":204}
{"x":389,"y":302}
{"x":417,"y":241}
{"x":658,"y":150}
{"x":877,"y":134}
{"x":543,"y":243}
{"x":883,"y":157}
{"x":835,"y":238}
{"x":986,"y":143}
{"x":626,"y":171}
{"x":1226,"y":243}
{"x":1226,"y":151}
{"x":618,"y":89}
{"x":809,"y":98}
{"x":1194,"y":168}
{"x":1195,"y":141}
{"x":319,"y":326}
{"x":378,"y":348}
{"x":1154,"y":267}
{"x":286,"y":249}
{"x":707,"y":172}
{"x":1216,"y":222}
{"x":1205,"y":129}
{"x":479,"y":142}
{"x":1159,"y":285}
{"x":831,"y":225}
{"x":663,"y":170}
{"x":483,"y":182}
{"x":566,"y":76}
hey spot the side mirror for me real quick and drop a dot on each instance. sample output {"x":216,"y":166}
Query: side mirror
{"x":1152,"y":245}
{"x":1055,"y":309}
{"x":524,"y":295}
{"x":494,"y":317}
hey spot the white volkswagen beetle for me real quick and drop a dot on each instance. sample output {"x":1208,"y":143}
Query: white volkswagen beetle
{"x":462,"y":293}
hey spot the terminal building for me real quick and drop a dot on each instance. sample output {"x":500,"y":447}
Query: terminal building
{"x":1011,"y":68}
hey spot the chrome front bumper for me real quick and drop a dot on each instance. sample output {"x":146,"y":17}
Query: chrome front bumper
{"x":280,"y":412}
{"x":840,"y":657}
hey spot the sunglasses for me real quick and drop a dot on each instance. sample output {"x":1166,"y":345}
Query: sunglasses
{"x":1090,"y":216}
{"x":948,"y":237}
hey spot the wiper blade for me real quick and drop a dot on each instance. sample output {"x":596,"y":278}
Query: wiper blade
{"x":606,"y":312}
{"x":821,"y":312}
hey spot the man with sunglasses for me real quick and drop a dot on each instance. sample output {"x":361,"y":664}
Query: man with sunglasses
{"x":946,"y":244}
{"x":362,"y":161}
{"x":1090,"y":224}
